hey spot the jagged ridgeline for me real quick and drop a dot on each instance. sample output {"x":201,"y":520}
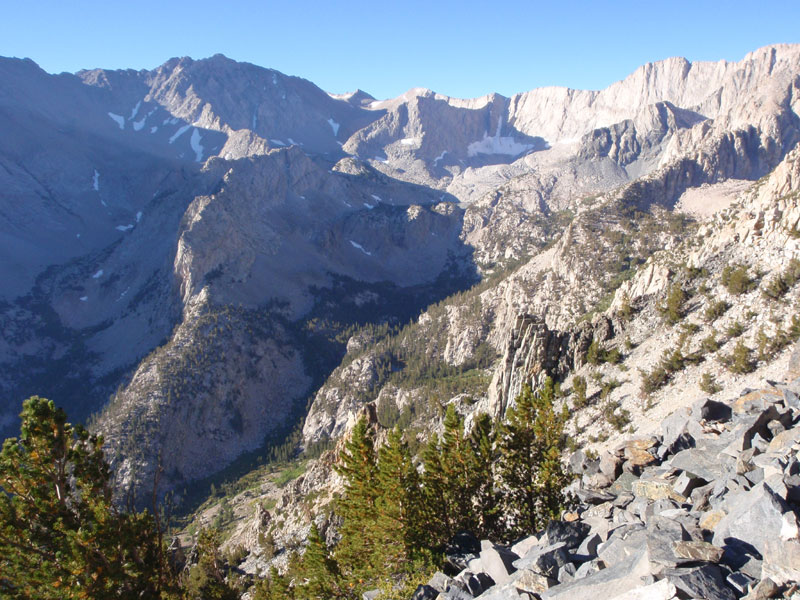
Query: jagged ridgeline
{"x":229,"y":267}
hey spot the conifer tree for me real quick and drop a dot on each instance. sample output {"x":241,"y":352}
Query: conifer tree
{"x":434,"y":510}
{"x":60,"y":535}
{"x":458,"y":467}
{"x":356,"y":552}
{"x":485,"y":497}
{"x":206,"y":580}
{"x":320,"y":571}
{"x":274,"y":587}
{"x":398,"y":526}
{"x":529,"y":466}
{"x":457,"y":480}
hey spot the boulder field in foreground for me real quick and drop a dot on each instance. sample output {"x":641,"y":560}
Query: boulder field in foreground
{"x":708,"y":509}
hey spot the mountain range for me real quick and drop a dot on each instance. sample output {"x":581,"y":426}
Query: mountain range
{"x":199,"y":257}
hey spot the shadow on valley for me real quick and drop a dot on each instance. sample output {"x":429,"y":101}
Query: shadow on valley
{"x":340,"y":311}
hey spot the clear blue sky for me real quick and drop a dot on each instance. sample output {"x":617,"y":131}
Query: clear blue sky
{"x":460,"y":48}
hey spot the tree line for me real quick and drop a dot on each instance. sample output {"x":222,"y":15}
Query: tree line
{"x":62,"y":536}
{"x":500,"y":480}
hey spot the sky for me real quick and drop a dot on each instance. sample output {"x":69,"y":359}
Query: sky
{"x":460,"y":48}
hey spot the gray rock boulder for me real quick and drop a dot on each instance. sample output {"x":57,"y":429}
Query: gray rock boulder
{"x":704,"y":582}
{"x":571,"y":533}
{"x":545,"y":560}
{"x":497,"y":562}
{"x":753,"y":518}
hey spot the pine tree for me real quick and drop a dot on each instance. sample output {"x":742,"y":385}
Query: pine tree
{"x":531,"y":474}
{"x":60,"y":534}
{"x":433,"y":511}
{"x":274,"y":587}
{"x":356,"y":551}
{"x":398,"y":525}
{"x":458,"y":469}
{"x":319,"y":569}
{"x":486,"y":501}
{"x":457,"y":480}
{"x":206,"y":579}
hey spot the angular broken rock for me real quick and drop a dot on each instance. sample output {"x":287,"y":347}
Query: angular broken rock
{"x":756,"y":400}
{"x":588,"y":547}
{"x":782,"y":554}
{"x":704,"y":582}
{"x":526,"y":580}
{"x":660,"y":590}
{"x":497,"y":562}
{"x":607,"y":583}
{"x":703,"y":463}
{"x":593,"y":496}
{"x":476,"y":583}
{"x":755,"y":517}
{"x":623,"y":484}
{"x":784,"y":440}
{"x":740,"y":582}
{"x":567,"y":573}
{"x":637,"y":459}
{"x":440,"y":582}
{"x":697,"y":551}
{"x":571,"y":533}
{"x":621,"y":546}
{"x":587,"y":568}
{"x":610,"y":465}
{"x":423,"y":592}
{"x":686,"y":483}
{"x":710,"y":519}
{"x":581,"y":464}
{"x":662,"y":534}
{"x":522,"y":546}
{"x":544,"y":560}
{"x":656,"y":489}
{"x":676,"y":434}
{"x":764,"y":589}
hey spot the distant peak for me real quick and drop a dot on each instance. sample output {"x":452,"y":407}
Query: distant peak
{"x":356,"y":98}
{"x":219,"y":58}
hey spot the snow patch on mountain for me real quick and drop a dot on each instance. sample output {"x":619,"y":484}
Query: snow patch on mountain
{"x":497,"y":144}
{"x":98,"y":275}
{"x":194,"y":142}
{"x":179,"y":133}
{"x":135,"y":111}
{"x":360,"y":247}
{"x":124,"y":227}
{"x":335,"y":126}
{"x":118,"y":119}
{"x":96,"y":181}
